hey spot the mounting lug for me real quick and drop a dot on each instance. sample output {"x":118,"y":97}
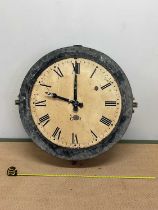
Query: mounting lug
{"x":17,"y":101}
{"x":135,"y":104}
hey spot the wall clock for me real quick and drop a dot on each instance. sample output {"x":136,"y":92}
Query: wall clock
{"x":75,"y":103}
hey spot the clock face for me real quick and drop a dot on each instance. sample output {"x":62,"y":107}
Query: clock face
{"x":75,"y":103}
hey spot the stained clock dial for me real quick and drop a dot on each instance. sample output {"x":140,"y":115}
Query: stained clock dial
{"x":75,"y":103}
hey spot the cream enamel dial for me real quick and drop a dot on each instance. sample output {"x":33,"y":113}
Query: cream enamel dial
{"x":97,"y":91}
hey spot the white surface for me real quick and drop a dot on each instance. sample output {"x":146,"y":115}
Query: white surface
{"x":125,"y":30}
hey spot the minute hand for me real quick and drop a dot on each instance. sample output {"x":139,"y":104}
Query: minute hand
{"x":76,"y":70}
{"x":75,"y":87}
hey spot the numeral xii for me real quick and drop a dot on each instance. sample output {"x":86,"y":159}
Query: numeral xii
{"x":76,"y":67}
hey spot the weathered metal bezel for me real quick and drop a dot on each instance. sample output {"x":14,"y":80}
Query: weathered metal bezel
{"x":75,"y":52}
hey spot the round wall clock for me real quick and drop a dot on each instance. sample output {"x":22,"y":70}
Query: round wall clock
{"x":75,"y":103}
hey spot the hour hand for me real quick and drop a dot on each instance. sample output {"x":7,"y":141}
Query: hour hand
{"x":54,"y":95}
{"x":74,"y":103}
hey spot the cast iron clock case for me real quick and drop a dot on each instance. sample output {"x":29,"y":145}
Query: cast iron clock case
{"x":75,"y":103}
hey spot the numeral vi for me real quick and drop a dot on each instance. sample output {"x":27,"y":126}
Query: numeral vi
{"x":74,"y":139}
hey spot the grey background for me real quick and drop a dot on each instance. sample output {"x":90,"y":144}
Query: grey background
{"x":125,"y":30}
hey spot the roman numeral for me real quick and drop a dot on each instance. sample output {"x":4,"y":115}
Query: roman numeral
{"x":58,"y":72}
{"x":110,"y":103}
{"x":45,"y":85}
{"x":105,"y":121}
{"x":74,"y":139}
{"x":57,"y":133}
{"x":94,"y":135}
{"x":93,"y":72}
{"x":44,"y":120}
{"x":105,"y":86}
{"x":76,"y":67}
{"x":40,"y":103}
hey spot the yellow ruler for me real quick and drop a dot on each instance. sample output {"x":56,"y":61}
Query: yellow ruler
{"x":12,"y":171}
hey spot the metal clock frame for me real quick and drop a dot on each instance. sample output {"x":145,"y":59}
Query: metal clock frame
{"x":76,"y":51}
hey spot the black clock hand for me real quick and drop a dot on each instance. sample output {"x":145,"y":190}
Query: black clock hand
{"x":74,"y":103}
{"x":76,"y":70}
{"x":75,"y":92}
{"x":54,"y":95}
